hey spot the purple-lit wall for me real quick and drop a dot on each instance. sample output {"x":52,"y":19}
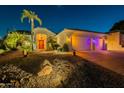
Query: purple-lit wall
{"x":87,"y":43}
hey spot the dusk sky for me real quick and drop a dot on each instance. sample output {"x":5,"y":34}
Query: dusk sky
{"x":56,"y":18}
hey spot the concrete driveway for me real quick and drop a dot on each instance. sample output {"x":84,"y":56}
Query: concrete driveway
{"x":112,"y":60}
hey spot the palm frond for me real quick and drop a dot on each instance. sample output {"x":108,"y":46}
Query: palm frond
{"x":30,"y":15}
{"x":38,"y":19}
{"x":23,"y":17}
{"x":25,"y":14}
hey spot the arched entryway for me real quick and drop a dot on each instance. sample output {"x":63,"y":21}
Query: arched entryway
{"x":41,"y":41}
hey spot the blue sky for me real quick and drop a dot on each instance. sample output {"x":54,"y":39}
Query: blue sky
{"x":56,"y":18}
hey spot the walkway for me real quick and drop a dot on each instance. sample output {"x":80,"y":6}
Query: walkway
{"x":108,"y":59}
{"x":10,"y":55}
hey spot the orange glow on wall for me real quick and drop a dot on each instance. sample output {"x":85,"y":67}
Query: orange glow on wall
{"x":68,"y":39}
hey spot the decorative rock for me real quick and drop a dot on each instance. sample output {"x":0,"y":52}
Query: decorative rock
{"x":56,"y":81}
{"x":46,"y":68}
{"x":45,"y":71}
{"x":46,"y":62}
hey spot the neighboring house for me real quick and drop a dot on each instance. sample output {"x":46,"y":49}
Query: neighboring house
{"x":79,"y":40}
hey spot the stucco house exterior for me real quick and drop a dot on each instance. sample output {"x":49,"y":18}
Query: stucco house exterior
{"x":115,"y":40}
{"x":82,"y":39}
{"x":79,"y":40}
{"x":41,"y":36}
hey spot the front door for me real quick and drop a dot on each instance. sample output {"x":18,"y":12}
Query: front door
{"x":41,"y":44}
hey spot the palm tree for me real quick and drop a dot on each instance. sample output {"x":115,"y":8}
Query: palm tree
{"x":31,"y":16}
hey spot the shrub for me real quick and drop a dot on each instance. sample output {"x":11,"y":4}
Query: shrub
{"x":56,"y":46}
{"x":26,"y":46}
{"x":65,"y":48}
{"x":2,"y":51}
{"x":12,"y":39}
{"x":52,"y":44}
{"x":16,"y":40}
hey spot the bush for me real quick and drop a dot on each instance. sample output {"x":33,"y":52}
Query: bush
{"x":52,"y":44}
{"x":55,"y":46}
{"x":26,"y":46}
{"x":2,"y":51}
{"x":16,"y":40}
{"x":65,"y":48}
{"x":12,"y":39}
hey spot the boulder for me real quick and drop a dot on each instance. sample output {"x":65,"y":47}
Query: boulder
{"x":45,"y":71}
{"x":56,"y":81}
{"x":46,"y":62}
{"x":46,"y":68}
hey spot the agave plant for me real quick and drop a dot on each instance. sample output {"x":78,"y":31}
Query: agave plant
{"x":31,"y":16}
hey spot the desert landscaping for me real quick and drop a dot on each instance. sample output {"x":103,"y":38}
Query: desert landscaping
{"x":40,"y":70}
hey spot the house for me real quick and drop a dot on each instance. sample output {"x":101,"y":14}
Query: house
{"x":82,"y":39}
{"x":79,"y":40}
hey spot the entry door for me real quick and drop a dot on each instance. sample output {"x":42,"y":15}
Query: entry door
{"x":41,"y":44}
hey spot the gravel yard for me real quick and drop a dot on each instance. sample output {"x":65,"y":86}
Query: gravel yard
{"x":55,"y":70}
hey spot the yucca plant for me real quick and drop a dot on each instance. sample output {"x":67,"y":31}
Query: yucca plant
{"x":31,"y":16}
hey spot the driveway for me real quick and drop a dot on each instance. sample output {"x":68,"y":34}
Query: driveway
{"x":112,"y":60}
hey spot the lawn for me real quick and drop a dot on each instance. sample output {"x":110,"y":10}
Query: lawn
{"x":66,"y":71}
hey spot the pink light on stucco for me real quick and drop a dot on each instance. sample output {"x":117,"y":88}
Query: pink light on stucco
{"x":96,"y":41}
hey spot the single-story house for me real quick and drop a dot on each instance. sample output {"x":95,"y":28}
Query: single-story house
{"x":80,"y":40}
{"x":89,"y":40}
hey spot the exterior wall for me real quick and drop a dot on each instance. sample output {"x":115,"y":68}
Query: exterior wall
{"x":80,"y":43}
{"x":43,"y":34}
{"x":61,"y":38}
{"x":122,"y":39}
{"x":81,"y":40}
{"x":98,"y":43}
{"x":64,"y":38}
{"x":113,"y":41}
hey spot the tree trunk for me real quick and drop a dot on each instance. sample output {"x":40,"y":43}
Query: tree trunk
{"x":32,"y":33}
{"x":25,"y":53}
